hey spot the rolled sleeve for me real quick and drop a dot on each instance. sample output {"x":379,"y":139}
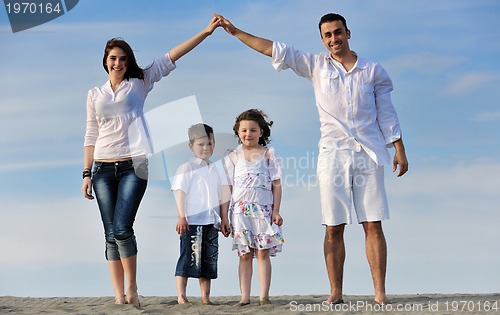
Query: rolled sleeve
{"x":92,"y":130}
{"x":182,"y":178}
{"x":160,"y":68}
{"x":387,"y":117}
{"x":284,"y":57}
{"x":278,"y":55}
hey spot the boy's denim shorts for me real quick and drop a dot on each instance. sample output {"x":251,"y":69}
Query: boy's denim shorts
{"x":199,"y":252}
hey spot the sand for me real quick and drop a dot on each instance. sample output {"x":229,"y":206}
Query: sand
{"x":289,"y":304}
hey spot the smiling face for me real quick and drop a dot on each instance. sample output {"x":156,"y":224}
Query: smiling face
{"x":116,"y":63}
{"x":335,"y":36}
{"x":249,"y":132}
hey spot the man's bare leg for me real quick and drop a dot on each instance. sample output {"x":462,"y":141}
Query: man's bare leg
{"x":376,"y":253}
{"x":334,"y":250}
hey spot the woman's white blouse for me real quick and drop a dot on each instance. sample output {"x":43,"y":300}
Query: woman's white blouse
{"x":115,"y":120}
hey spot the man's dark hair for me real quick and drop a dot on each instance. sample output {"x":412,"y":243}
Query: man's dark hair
{"x":331,"y":17}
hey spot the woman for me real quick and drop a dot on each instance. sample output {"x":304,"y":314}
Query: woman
{"x":117,"y":144}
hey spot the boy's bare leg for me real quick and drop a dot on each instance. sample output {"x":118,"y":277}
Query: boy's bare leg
{"x":117,"y":280}
{"x":181,"y":284}
{"x":205,"y":290}
{"x":334,"y":249}
{"x":376,"y":252}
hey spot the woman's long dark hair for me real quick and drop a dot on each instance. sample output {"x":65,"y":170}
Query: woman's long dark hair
{"x":133,"y":70}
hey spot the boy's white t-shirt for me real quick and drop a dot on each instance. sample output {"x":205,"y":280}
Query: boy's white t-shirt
{"x":202,"y":185}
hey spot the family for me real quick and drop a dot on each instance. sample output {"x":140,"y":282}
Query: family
{"x":358,"y":123}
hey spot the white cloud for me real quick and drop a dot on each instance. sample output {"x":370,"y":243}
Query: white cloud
{"x":69,"y":230}
{"x":36,"y":165}
{"x":476,"y":179}
{"x":470,"y":82}
{"x":486,"y":116}
{"x":50,"y":231}
{"x":424,"y":63}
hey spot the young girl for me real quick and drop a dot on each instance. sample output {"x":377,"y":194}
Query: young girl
{"x":254,"y":174}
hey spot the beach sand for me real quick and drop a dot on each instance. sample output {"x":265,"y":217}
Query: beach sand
{"x":286,"y":304}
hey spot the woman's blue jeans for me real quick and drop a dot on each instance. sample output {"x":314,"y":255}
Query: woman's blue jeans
{"x":119,"y":188}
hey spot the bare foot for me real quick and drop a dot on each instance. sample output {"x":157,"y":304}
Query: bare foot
{"x":120,"y":300}
{"x":335,"y":300}
{"x":133,"y":299}
{"x":384,"y":301}
{"x":182,"y":299}
{"x":264,"y":301}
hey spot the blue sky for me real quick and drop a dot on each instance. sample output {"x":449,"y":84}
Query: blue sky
{"x":442,"y":56}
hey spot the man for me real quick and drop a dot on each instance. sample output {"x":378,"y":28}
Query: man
{"x":358,"y":123}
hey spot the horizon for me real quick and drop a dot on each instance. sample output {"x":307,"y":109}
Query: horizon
{"x":441,"y":56}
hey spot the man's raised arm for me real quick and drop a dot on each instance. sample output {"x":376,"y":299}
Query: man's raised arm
{"x":262,"y":45}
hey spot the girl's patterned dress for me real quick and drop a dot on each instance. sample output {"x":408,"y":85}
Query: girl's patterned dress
{"x":250,"y":212}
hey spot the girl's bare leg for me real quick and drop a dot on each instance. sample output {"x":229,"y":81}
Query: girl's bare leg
{"x":264,"y":270}
{"x":245,"y":276}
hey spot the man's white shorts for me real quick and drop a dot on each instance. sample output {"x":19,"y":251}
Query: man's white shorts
{"x":349,"y":179}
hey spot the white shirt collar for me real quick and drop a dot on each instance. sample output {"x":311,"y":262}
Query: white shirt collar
{"x":200,"y":162}
{"x":360,"y":62}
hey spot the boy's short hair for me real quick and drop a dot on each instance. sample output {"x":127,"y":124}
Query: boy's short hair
{"x":200,"y":131}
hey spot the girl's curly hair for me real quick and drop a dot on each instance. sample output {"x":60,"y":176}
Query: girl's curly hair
{"x":258,"y":116}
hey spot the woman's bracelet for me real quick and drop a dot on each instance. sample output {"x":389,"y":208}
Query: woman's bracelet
{"x":87,"y":173}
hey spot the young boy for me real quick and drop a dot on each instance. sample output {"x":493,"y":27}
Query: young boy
{"x":202,"y":211}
